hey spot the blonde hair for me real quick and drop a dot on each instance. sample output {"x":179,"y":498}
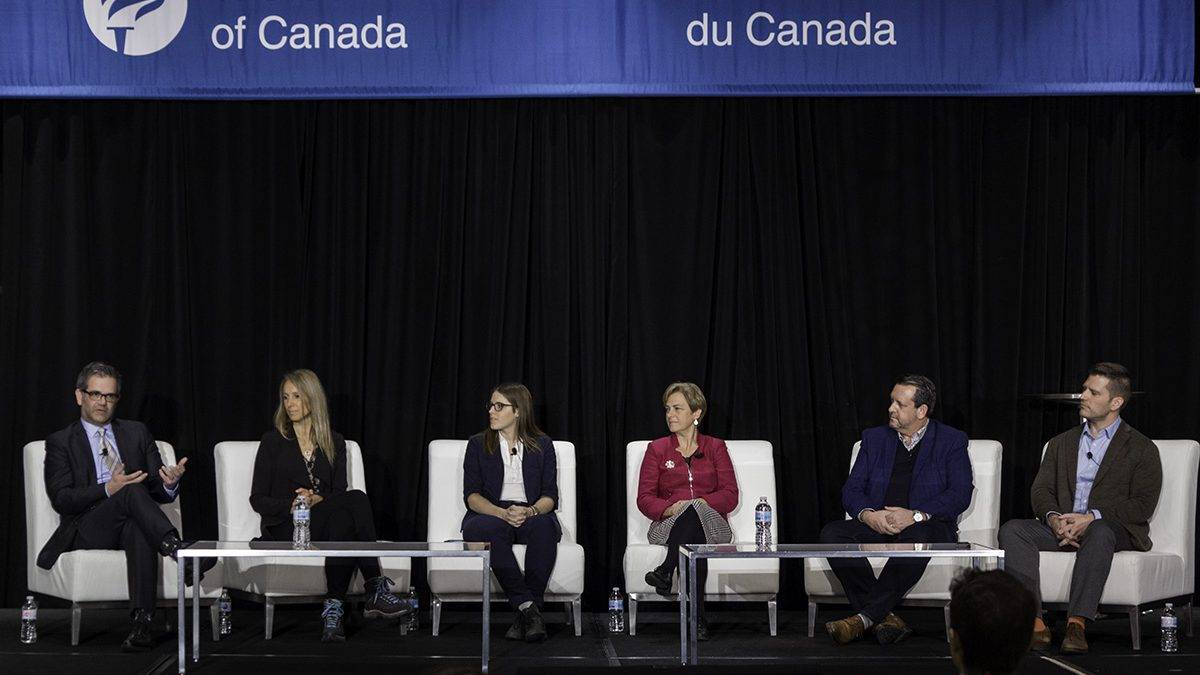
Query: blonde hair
{"x":312,"y":394}
{"x":691,"y":393}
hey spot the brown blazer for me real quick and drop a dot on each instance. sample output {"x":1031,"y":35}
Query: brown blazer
{"x":1126,"y":488}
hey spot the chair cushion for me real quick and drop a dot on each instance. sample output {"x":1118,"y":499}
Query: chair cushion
{"x":95,"y":575}
{"x":1136,"y":577}
{"x":728,"y":578}
{"x":460,"y":576}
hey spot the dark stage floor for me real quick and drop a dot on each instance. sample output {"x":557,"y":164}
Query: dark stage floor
{"x":740,"y":644}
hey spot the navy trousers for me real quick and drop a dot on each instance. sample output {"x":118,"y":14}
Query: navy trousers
{"x":539,"y":534}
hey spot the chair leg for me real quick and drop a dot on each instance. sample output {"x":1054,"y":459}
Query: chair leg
{"x":567,"y":613}
{"x":946,"y":619}
{"x":1187,"y":616}
{"x":1135,"y":628}
{"x":633,"y":615}
{"x":269,"y":621}
{"x":577,"y":611}
{"x":76,"y":618}
{"x":773,"y":617}
{"x":812,"y":617}
{"x":435,"y":615}
{"x":214,"y":617}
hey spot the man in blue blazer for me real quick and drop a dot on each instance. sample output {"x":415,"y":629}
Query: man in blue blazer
{"x":911,"y":481}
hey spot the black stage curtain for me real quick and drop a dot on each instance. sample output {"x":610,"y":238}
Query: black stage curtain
{"x":792,"y":256}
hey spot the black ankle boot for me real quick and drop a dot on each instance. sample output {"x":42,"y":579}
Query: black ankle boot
{"x":660,"y":581}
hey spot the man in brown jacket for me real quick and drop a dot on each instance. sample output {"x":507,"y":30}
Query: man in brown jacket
{"x":1094,"y":494}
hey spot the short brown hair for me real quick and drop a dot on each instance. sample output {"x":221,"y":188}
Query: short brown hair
{"x":1120,"y":383}
{"x":691,"y":393}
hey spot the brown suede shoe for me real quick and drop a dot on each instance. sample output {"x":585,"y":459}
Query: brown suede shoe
{"x":1075,"y":641}
{"x":892,"y":630}
{"x":847,"y":630}
{"x":1040,"y":639}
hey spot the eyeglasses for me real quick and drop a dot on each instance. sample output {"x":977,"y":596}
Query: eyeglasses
{"x":498,"y":406}
{"x":95,"y":396}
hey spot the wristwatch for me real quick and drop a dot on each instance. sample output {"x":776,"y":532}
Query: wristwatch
{"x":919,"y":517}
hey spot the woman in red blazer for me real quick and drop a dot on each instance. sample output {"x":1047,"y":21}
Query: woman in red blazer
{"x":687,"y":487}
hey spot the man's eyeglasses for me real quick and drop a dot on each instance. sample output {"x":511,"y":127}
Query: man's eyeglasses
{"x":95,"y":396}
{"x":498,"y":406}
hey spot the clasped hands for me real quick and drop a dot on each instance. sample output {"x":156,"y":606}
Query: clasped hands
{"x":170,"y":476}
{"x":889,"y":520}
{"x":313,"y":498}
{"x":1069,"y":527}
{"x":517,"y":515}
{"x":679,"y":506}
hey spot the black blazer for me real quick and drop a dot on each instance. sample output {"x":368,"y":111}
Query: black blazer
{"x":279,"y":470}
{"x":484,"y":473}
{"x":70,"y":475}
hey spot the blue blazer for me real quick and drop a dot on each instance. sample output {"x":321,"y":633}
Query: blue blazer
{"x":942,"y":481}
{"x":484,"y":473}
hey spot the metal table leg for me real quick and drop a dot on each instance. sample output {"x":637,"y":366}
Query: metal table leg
{"x":179,"y":609}
{"x":693,"y":601}
{"x":487,"y":606}
{"x":683,"y":598}
{"x":195,"y":609}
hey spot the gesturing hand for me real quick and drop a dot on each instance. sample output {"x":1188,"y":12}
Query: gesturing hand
{"x":120,"y":479}
{"x":170,"y":475}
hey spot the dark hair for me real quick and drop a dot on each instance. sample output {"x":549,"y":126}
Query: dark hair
{"x":926,"y":392}
{"x":992,"y":614}
{"x":1120,"y":383}
{"x":97,"y":369}
{"x":527,"y":429}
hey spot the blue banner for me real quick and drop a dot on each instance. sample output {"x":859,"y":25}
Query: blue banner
{"x":489,"y":48}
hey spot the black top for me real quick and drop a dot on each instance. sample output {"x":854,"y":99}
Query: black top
{"x":279,"y":469}
{"x":902,"y":470}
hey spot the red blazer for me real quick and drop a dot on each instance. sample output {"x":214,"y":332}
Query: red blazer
{"x":664,"y":476}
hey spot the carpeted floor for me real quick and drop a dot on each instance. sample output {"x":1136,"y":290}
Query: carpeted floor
{"x":740,"y":644}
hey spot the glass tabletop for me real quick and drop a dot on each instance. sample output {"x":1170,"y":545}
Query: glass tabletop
{"x":334,"y":548}
{"x":963,"y":548}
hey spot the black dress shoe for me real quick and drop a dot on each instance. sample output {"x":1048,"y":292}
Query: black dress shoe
{"x":517,"y":630}
{"x":140,"y":638}
{"x":170,"y":546}
{"x":535,"y":625}
{"x":661,"y":582}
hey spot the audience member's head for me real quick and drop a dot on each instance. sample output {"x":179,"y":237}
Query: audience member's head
{"x":991,"y":622}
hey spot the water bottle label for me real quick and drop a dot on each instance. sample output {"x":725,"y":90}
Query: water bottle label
{"x":225,"y":606}
{"x":1169,"y":622}
{"x":29,"y":615}
{"x":762,"y":517}
{"x":414,"y":603}
{"x":615,"y":606}
{"x":301,"y":515}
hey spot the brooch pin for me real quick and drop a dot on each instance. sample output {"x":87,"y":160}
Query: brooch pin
{"x":670,"y":464}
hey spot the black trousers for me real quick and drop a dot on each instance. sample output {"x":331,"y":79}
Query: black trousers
{"x":133,"y":522}
{"x":877,"y":597}
{"x":342,"y":516}
{"x":687,"y":529}
{"x":540,"y":536}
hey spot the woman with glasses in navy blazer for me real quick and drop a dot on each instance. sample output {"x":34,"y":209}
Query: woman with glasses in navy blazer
{"x":510,"y":485}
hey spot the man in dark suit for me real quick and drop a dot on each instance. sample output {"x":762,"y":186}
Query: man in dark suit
{"x":1094,"y":494}
{"x":105,"y":478}
{"x":911,"y":481}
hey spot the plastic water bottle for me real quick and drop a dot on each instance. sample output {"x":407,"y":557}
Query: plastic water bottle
{"x":1170,"y":640}
{"x":414,"y":601}
{"x":29,"y":621}
{"x":762,"y":523}
{"x":616,"y":611}
{"x":225,"y":612}
{"x":301,"y":536}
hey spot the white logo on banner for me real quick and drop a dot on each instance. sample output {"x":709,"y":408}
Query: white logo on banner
{"x":135,"y":27}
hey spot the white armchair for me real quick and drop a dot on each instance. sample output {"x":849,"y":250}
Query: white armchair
{"x":1166,"y":573}
{"x":728,"y":580}
{"x":457,"y":579}
{"x":276,"y":580}
{"x":979,"y":524}
{"x":95,"y":578}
